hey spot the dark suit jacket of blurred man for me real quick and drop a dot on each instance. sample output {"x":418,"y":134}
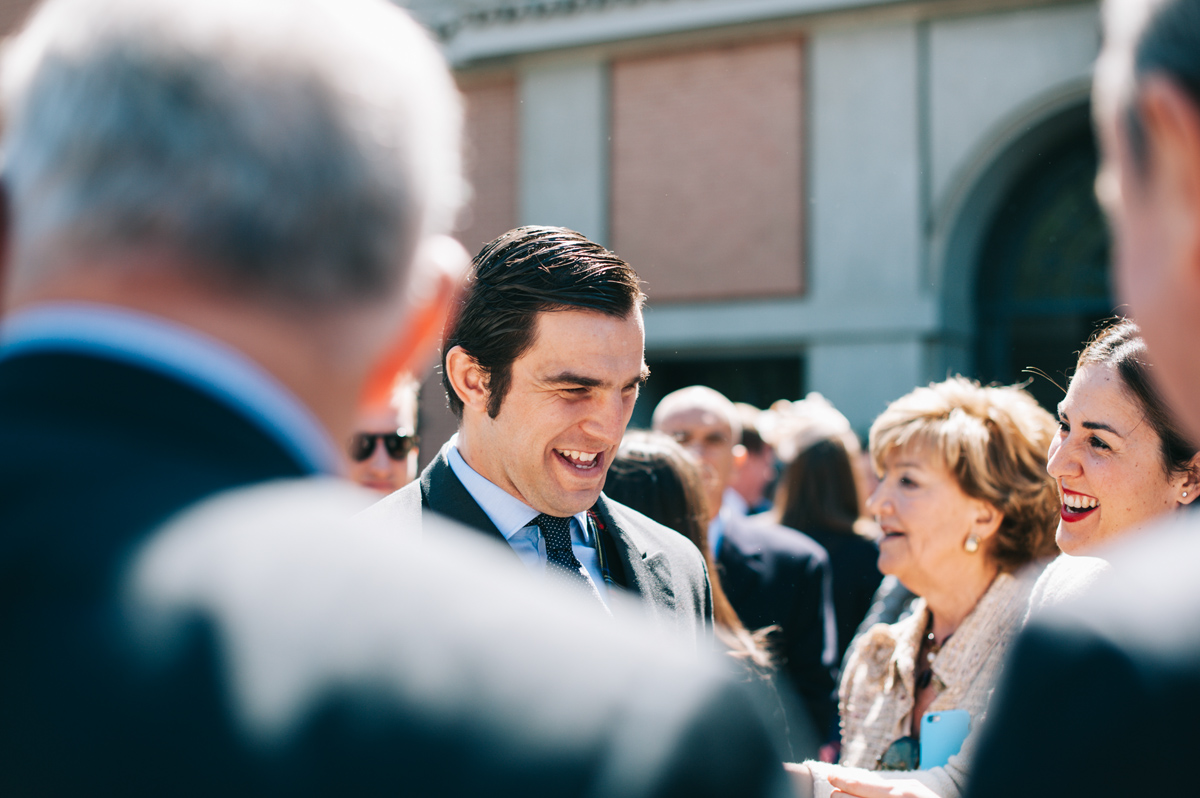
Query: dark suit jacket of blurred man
{"x":775,"y":575}
{"x":645,"y":558}
{"x":95,"y":453}
{"x":1101,"y":697}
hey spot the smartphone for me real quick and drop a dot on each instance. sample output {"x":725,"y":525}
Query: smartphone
{"x":942,"y":736}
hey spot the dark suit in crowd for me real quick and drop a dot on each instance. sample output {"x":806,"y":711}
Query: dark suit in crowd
{"x":1101,"y":696}
{"x":78,"y":717}
{"x":853,"y":561}
{"x":644,"y":558}
{"x":776,"y":575}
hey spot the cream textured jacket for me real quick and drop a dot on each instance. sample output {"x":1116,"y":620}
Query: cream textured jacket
{"x":877,"y":689}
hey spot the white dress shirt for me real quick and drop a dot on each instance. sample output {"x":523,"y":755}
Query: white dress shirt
{"x":514,"y":519}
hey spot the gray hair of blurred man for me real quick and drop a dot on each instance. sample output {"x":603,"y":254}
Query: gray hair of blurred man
{"x":297,"y":150}
{"x":703,"y":397}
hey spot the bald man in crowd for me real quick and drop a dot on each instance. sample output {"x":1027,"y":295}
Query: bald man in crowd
{"x":772,"y":574}
{"x":222,"y":220}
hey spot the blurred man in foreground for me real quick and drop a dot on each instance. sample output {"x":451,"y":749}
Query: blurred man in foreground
{"x":217,"y":210}
{"x":1096,"y":688}
{"x":773,"y":575}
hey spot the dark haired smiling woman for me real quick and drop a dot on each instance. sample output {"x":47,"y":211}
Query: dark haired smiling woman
{"x":1119,"y":459}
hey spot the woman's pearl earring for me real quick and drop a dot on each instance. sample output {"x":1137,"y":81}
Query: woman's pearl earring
{"x":1185,"y":494}
{"x":972,"y":544}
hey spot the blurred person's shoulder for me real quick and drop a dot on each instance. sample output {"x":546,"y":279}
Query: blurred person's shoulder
{"x":1115,"y":668}
{"x":437,"y":636}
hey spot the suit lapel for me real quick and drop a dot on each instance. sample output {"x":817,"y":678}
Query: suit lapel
{"x":442,"y":492}
{"x":646,"y":571}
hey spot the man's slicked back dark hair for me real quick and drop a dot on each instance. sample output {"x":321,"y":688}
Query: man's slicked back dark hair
{"x":527,"y":271}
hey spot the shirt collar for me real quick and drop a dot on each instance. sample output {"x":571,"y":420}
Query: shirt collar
{"x":507,"y":512}
{"x":202,"y":362}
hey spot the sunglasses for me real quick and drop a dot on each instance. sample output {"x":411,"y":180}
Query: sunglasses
{"x":362,"y":445}
{"x":903,"y":754}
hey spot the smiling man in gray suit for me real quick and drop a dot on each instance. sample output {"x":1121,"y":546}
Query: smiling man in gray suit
{"x":542,"y":364}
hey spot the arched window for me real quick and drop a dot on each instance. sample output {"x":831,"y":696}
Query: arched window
{"x":1043,"y":270}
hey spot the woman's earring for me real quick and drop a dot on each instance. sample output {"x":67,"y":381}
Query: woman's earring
{"x":972,"y":544}
{"x":1185,"y":494}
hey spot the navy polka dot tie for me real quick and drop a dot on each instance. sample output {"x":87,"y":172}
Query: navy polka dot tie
{"x":561,"y":561}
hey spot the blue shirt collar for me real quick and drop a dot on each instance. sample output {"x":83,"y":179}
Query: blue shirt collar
{"x":507,"y":512}
{"x":182,"y":353}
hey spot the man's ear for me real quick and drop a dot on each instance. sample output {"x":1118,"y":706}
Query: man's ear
{"x":441,"y":263}
{"x":467,"y":378}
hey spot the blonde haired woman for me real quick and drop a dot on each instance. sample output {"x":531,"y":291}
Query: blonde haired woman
{"x":964,"y":502}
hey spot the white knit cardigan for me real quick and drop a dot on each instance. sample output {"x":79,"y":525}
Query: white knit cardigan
{"x":877,"y":690}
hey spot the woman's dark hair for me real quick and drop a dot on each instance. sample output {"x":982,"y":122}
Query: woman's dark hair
{"x":818,"y":491}
{"x":522,"y":273}
{"x":1120,"y":345}
{"x":655,"y":476}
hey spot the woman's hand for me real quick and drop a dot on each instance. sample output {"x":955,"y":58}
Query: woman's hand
{"x":874,"y":787}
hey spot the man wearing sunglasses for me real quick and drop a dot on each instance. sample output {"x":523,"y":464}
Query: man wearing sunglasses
{"x":223,"y":222}
{"x":382,"y":453}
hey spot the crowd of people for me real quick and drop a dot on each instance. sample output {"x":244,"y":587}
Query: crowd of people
{"x":226,"y":245}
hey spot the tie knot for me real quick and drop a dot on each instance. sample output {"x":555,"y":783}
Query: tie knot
{"x":553,"y":523}
{"x":556,"y":530}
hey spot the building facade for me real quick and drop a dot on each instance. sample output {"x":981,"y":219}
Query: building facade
{"x":833,"y":195}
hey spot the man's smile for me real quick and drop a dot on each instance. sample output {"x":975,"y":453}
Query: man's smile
{"x":581,"y":460}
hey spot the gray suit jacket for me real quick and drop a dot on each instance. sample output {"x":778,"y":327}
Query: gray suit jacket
{"x":646,"y":559}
